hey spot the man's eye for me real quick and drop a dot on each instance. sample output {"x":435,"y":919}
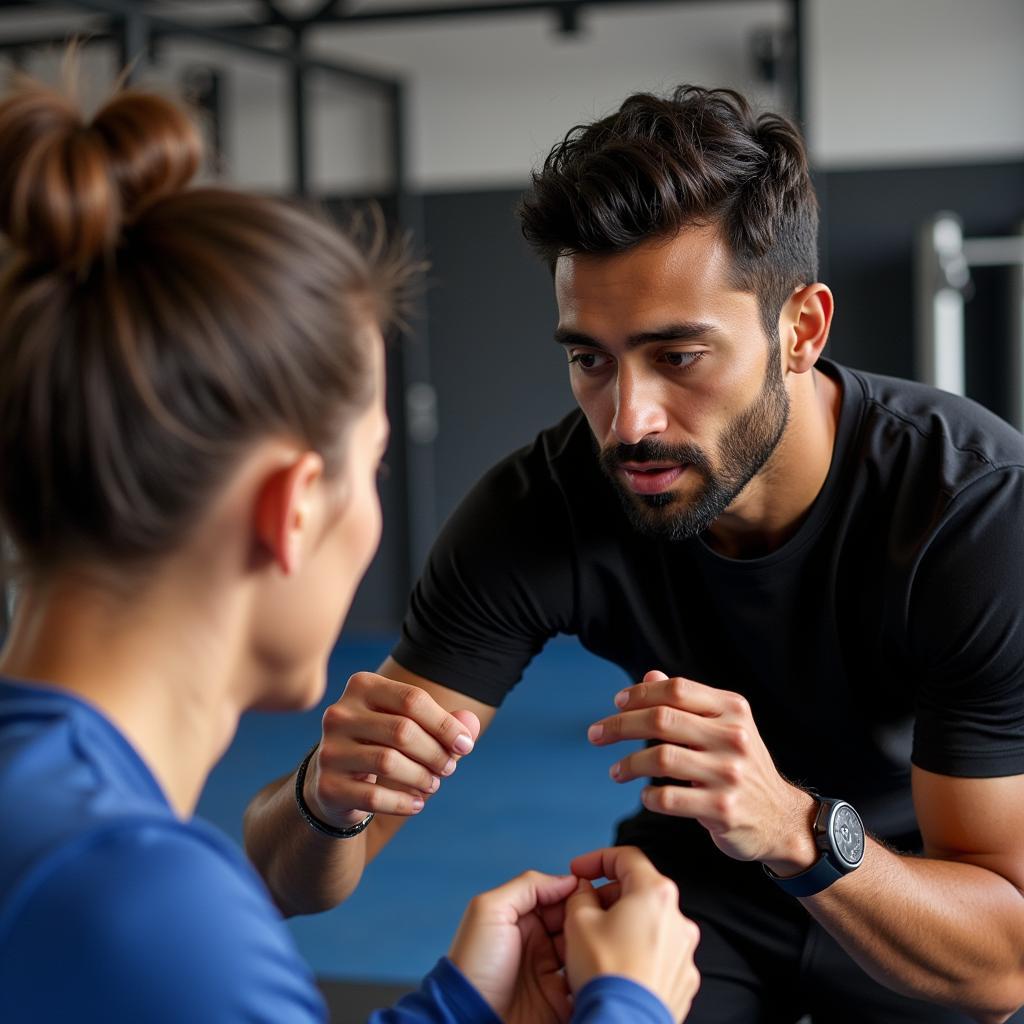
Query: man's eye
{"x":682,"y":360}
{"x":588,"y":360}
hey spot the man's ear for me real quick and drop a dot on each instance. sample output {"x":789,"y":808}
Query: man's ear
{"x":285,"y":508}
{"x":804,"y":326}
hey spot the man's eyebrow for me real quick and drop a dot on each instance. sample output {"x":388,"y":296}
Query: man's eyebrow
{"x":688,"y":330}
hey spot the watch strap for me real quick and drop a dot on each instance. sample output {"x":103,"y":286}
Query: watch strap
{"x":818,"y":877}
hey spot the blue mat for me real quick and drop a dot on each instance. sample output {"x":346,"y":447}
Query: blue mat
{"x":533,"y":794}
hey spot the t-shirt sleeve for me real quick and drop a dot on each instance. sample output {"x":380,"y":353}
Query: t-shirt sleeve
{"x":152,"y":925}
{"x":966,"y":633}
{"x":498,"y":584}
{"x":444,"y":997}
{"x":614,"y":1000}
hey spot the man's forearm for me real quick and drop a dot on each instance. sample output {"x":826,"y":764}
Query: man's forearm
{"x":306,"y":872}
{"x":948,"y":932}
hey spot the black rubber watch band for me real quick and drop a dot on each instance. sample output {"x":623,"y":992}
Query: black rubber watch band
{"x":311,"y":819}
{"x":818,"y":877}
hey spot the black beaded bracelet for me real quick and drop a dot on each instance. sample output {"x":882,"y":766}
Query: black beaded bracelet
{"x":311,"y":819}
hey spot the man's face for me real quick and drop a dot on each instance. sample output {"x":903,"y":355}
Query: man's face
{"x":671,"y":367}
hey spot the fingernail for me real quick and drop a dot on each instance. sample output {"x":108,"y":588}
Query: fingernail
{"x":417,"y":805}
{"x":435,"y":783}
{"x":615,"y":771}
{"x":463,"y":744}
{"x":449,"y":767}
{"x":595,"y":732}
{"x":622,"y":698}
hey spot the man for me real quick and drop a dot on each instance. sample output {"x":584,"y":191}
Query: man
{"x":814,"y":574}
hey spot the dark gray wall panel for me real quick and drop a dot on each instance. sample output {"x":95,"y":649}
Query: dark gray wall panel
{"x":499,"y":376}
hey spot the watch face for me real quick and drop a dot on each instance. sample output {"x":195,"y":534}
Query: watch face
{"x":848,"y":835}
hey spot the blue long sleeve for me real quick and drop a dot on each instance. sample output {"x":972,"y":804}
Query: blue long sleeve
{"x":447,"y":997}
{"x":614,"y":1000}
{"x":444,"y":997}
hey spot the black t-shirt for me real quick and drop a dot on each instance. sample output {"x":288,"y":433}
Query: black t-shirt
{"x":888,"y":629}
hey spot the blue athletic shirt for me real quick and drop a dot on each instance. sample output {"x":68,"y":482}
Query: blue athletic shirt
{"x":114,"y":909}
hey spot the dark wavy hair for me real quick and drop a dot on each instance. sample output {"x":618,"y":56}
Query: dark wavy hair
{"x":700,"y":156}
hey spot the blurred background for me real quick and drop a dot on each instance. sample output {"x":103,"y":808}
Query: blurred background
{"x":913,"y":111}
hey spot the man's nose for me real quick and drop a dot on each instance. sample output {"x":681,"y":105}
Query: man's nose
{"x":639,"y":407}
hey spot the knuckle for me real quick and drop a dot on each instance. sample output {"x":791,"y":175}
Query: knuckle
{"x":385,"y":761}
{"x":663,"y":718}
{"x":667,"y":891}
{"x":333,"y":717}
{"x":402,"y":732}
{"x":731,"y":773}
{"x":664,"y":758}
{"x":723,"y":805}
{"x":739,"y":739}
{"x":357,"y":681}
{"x":737,"y":704}
{"x":677,"y":689}
{"x":411,"y":700}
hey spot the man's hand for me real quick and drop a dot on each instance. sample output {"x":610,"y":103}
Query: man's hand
{"x":709,"y":742}
{"x":385,"y":748}
{"x":631,"y":927}
{"x":505,"y":946}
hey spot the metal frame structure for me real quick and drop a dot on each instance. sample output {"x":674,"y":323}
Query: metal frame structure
{"x":943,"y":270}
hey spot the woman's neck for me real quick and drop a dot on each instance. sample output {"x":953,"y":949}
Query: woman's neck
{"x":159,"y":665}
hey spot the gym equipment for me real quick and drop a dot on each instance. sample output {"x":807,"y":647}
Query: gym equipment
{"x":942,"y":265}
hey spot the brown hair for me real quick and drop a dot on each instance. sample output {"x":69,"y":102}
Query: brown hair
{"x":658,"y":165}
{"x":149,"y":332}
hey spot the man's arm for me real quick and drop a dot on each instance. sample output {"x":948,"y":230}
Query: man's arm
{"x":400,"y":738}
{"x":946,"y":927}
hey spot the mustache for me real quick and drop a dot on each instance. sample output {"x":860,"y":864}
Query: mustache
{"x":649,"y":450}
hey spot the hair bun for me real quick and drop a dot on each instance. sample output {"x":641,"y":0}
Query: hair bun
{"x":68,"y":186}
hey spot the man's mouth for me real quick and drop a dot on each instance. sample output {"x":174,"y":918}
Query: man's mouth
{"x":650,"y":477}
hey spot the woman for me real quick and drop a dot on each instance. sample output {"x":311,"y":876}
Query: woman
{"x":191,"y":422}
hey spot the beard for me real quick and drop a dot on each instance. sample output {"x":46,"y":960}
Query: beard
{"x":745,"y":445}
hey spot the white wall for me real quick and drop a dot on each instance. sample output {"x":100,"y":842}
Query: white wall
{"x":915,"y":81}
{"x":490,"y":96}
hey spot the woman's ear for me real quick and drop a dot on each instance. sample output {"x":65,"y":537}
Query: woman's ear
{"x":804,"y":325}
{"x":286,"y":510}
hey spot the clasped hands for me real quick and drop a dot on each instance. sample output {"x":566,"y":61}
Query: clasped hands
{"x":531,"y":944}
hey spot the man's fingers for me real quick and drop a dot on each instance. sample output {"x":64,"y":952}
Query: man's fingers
{"x":370,"y":797}
{"x":679,"y":692}
{"x":657,"y":723}
{"x":382,"y":694}
{"x":670,"y":761}
{"x":402,"y":735}
{"x":390,"y":766}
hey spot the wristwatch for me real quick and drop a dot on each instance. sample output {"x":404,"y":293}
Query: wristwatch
{"x":839,"y":834}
